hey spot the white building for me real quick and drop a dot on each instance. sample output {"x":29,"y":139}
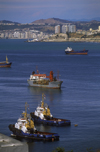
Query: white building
{"x":99,"y":28}
{"x":72,"y":28}
{"x":17,"y":35}
{"x":26,"y":35}
{"x":2,"y":35}
{"x":57,"y":29}
{"x":22,"y":35}
{"x":68,"y":28}
{"x":65,"y":29}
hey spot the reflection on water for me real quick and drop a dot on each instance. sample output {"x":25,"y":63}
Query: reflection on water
{"x":43,"y":128}
{"x":50,"y":93}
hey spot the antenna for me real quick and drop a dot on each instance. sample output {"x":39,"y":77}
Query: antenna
{"x":6,"y":59}
{"x":37,"y":70}
{"x":26,"y":107}
{"x":58,"y":75}
{"x":43,"y":96}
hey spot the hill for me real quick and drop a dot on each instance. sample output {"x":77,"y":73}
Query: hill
{"x":6,"y":21}
{"x":84,"y":25}
{"x":51,"y":21}
{"x":55,"y":21}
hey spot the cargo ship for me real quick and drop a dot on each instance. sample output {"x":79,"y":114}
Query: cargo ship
{"x":44,"y":81}
{"x":24,"y":128}
{"x":70,"y":51}
{"x":5,"y":64}
{"x":42,"y":115}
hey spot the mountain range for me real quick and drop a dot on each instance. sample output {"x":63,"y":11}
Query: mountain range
{"x":55,"y":21}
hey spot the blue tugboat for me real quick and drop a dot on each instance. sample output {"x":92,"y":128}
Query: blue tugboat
{"x":24,"y":128}
{"x":43,"y":116}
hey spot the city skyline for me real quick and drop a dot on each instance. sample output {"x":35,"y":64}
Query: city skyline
{"x":28,"y":11}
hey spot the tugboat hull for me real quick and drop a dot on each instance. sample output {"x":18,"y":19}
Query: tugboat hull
{"x":51,"y":122}
{"x":37,"y":135}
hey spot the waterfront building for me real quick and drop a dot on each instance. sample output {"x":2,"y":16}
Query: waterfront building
{"x":65,"y":29}
{"x":69,"y":28}
{"x":10,"y":36}
{"x":34,"y":36}
{"x":99,"y":28}
{"x":22,"y":35}
{"x":16,"y":35}
{"x":1,"y":35}
{"x":72,"y":28}
{"x":26,"y":35}
{"x":57,"y":29}
{"x":6,"y":34}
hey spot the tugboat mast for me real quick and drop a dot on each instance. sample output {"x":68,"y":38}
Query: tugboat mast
{"x":42,"y":104}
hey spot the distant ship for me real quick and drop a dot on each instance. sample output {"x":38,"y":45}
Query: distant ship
{"x":44,"y":81}
{"x":70,"y":51}
{"x":5,"y":63}
{"x":34,"y":40}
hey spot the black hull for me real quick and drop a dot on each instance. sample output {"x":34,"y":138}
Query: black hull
{"x":37,"y":135}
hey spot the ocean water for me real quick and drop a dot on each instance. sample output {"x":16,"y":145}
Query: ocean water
{"x":78,"y":100}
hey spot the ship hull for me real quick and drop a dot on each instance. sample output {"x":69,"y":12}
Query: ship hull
{"x":51,"y":122}
{"x":5,"y":65}
{"x":53,"y":84}
{"x":37,"y":135}
{"x":84,"y":52}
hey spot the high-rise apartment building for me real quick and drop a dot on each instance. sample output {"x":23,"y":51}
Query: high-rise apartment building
{"x":57,"y":29}
{"x":65,"y":29}
{"x":68,"y":28}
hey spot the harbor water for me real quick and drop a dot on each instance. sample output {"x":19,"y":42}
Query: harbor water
{"x":78,"y":100}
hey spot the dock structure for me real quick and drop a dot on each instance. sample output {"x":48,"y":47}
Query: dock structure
{"x":8,"y":144}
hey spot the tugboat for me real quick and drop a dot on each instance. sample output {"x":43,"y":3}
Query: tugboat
{"x":24,"y":128}
{"x":70,"y":51}
{"x":42,"y":115}
{"x":5,"y":64}
{"x":44,"y":81}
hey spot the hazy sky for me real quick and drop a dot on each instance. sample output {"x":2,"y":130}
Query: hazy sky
{"x":27,"y":11}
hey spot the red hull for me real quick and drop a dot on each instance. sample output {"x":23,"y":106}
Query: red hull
{"x":84,"y":52}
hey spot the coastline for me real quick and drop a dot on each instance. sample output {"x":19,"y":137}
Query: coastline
{"x":73,"y":40}
{"x":72,"y":37}
{"x":96,"y":40}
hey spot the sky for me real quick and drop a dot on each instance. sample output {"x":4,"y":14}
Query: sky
{"x":27,"y":11}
